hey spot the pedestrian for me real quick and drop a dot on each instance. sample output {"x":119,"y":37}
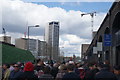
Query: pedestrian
{"x":104,"y":73}
{"x":90,"y":74}
{"x":117,"y":71}
{"x":71,"y":75}
{"x":16,"y":73}
{"x":11,"y":66}
{"x":54,"y":70}
{"x":39,"y":68}
{"x":82,"y":72}
{"x":40,"y":65}
{"x":77,"y":71}
{"x":6,"y":72}
{"x":28,"y":73}
{"x":46,"y":75}
{"x":62,"y":71}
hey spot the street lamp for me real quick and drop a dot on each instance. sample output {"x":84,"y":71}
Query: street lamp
{"x":28,"y":34}
{"x":62,"y":52}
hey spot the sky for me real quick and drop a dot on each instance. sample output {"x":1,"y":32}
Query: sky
{"x":74,"y":29}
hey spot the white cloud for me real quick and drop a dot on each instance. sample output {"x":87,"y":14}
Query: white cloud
{"x":71,"y":44}
{"x":74,"y":29}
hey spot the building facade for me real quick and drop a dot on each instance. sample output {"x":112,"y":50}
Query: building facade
{"x":21,"y":43}
{"x":6,"y":39}
{"x":43,"y":50}
{"x":52,"y":39}
{"x":33,"y":46}
{"x":107,"y":38}
{"x":84,"y":48}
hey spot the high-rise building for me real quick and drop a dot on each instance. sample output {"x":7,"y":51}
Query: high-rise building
{"x":6,"y":39}
{"x":52,"y":39}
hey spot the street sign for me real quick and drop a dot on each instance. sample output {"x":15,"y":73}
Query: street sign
{"x":107,"y":39}
{"x":99,"y":46}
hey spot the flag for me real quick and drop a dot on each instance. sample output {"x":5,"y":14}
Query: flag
{"x":3,"y":31}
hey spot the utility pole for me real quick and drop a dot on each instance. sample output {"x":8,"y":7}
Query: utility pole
{"x":92,"y":14}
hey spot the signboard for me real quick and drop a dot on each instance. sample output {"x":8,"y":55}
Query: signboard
{"x":94,"y":50}
{"x":107,"y":40}
{"x":99,"y":46}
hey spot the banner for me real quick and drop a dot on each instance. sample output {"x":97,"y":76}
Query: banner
{"x":107,"y":39}
{"x":94,"y":50}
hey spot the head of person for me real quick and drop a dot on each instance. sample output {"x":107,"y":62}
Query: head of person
{"x":56,"y":65}
{"x":6,"y":66}
{"x":106,"y":62}
{"x":100,"y":66}
{"x":51,"y":63}
{"x":39,"y":62}
{"x":117,"y":70}
{"x":71,"y":62}
{"x":16,"y":67}
{"x":70,"y":67}
{"x":62,"y":67}
{"x":29,"y":67}
{"x":12,"y":64}
{"x":91,"y":66}
{"x":104,"y":66}
{"x":46,"y":70}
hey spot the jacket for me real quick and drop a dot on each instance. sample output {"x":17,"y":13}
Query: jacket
{"x":14,"y":75}
{"x":105,"y":74}
{"x":6,"y":74}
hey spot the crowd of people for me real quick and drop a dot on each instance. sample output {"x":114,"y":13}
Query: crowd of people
{"x":60,"y":71}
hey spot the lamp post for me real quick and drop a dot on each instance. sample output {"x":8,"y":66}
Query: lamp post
{"x":62,"y":52}
{"x":28,"y":34}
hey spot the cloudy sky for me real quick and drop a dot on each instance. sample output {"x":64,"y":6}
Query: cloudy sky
{"x":74,"y":29}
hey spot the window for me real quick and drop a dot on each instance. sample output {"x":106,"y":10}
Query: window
{"x":117,"y":37}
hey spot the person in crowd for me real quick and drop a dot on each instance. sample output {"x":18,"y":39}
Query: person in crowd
{"x":71,"y":75}
{"x":90,"y":74}
{"x":62,"y":71}
{"x":39,"y":68}
{"x":16,"y":73}
{"x":82,"y":71}
{"x":6,"y":71}
{"x":21,"y":66}
{"x":54,"y":70}
{"x":46,"y":75}
{"x":51,"y":63}
{"x":28,"y":73}
{"x":40,"y":65}
{"x":104,"y":73}
{"x":117,"y":71}
{"x":110,"y":67}
{"x":77,"y":71}
{"x":11,"y":66}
